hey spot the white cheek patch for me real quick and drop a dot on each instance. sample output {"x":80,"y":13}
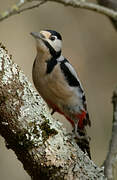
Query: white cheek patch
{"x":56,"y":44}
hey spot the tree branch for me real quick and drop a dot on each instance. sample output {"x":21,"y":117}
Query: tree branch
{"x":111,"y":4}
{"x":17,"y":8}
{"x":111,"y":158}
{"x":39,"y":141}
{"x":13,"y":10}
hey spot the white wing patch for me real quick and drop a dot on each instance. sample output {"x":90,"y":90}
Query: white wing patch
{"x":61,"y":58}
{"x":78,"y":90}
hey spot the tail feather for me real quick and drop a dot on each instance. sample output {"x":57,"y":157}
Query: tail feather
{"x":88,"y":122}
{"x":83,"y":119}
{"x":83,"y":140}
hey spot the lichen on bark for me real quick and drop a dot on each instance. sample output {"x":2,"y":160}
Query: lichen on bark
{"x":39,"y":141}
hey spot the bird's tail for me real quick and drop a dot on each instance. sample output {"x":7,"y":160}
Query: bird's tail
{"x":83,"y":140}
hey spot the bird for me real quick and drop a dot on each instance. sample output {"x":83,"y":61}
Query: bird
{"x":58,"y":83}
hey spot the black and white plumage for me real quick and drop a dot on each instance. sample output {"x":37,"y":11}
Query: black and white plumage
{"x":58,"y":83}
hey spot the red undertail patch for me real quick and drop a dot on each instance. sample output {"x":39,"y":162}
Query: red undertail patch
{"x":59,"y":111}
{"x":81,"y":118}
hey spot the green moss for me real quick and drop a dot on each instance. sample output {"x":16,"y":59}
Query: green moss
{"x":2,"y":99}
{"x":35,"y":128}
{"x":23,"y":142}
{"x":31,"y":124}
{"x":46,"y":130}
{"x":51,"y":172}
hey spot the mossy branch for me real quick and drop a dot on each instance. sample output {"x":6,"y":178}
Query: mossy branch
{"x":39,"y":141}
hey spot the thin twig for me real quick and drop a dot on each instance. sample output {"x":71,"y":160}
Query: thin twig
{"x":32,"y":7}
{"x":16,"y":9}
{"x":13,"y":10}
{"x":111,"y":158}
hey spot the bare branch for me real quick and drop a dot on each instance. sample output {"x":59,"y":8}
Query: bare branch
{"x":111,"y":4}
{"x":111,"y":158}
{"x":33,"y":6}
{"x":13,"y":10}
{"x":16,"y":9}
{"x":39,"y":141}
{"x":89,"y":6}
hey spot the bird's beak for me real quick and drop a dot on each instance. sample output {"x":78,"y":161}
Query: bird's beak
{"x":37,"y":35}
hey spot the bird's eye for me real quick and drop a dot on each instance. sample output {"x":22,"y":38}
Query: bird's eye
{"x":52,"y":38}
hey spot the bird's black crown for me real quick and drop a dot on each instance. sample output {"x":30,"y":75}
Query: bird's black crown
{"x":55,"y":34}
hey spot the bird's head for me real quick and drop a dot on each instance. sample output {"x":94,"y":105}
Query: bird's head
{"x":48,"y":40}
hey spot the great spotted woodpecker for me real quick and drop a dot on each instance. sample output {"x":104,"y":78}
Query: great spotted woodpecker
{"x":58,"y":84}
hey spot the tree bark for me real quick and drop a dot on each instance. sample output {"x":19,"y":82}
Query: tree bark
{"x":111,"y":4}
{"x":111,"y":159}
{"x":39,"y":141}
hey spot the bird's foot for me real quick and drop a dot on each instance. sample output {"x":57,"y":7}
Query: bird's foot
{"x":53,"y":111}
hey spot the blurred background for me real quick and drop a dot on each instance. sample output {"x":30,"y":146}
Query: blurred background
{"x":89,"y":42}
